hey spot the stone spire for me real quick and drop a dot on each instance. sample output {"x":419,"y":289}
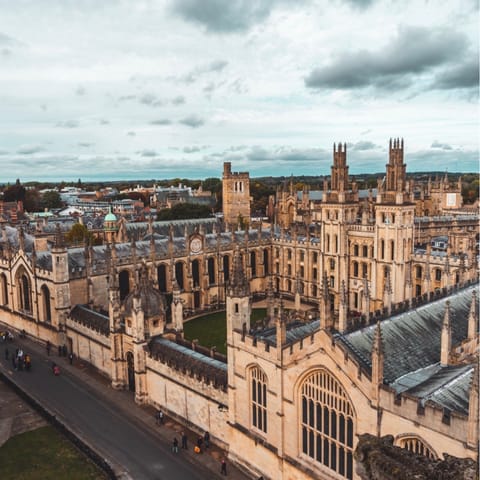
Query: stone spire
{"x":377,"y":362}
{"x":238,"y":285}
{"x":473,"y":407}
{"x":446,"y":339}
{"x":343,"y":308}
{"x":473,"y":317}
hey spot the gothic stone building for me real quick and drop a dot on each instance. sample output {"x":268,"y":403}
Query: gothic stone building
{"x":389,"y":343}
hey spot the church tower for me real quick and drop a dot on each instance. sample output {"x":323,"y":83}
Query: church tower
{"x":339,"y":209}
{"x":394,"y":230}
{"x":61,"y":285}
{"x":236,"y":195}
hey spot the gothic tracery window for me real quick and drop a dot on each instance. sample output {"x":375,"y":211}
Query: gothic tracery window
{"x":327,"y":423}
{"x":258,"y":397}
{"x":416,"y":445}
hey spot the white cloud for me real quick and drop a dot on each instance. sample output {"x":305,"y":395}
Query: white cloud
{"x":86,"y":96}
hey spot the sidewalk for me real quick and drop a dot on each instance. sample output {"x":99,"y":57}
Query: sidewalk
{"x":143,"y":416}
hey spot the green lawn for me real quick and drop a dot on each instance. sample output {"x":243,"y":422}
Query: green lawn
{"x":44,"y":454}
{"x":211,"y":329}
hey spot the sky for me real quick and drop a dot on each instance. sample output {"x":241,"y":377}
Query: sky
{"x":142,"y":89}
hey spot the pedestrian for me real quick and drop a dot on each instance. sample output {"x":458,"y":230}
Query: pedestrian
{"x":49,"y":346}
{"x":59,"y":350}
{"x":70,"y":358}
{"x":161,"y":417}
{"x":28,"y":362}
{"x":14,"y":362}
{"x":184,"y":441}
{"x":175,"y":445}
{"x":223,"y":468}
{"x":206,"y":438}
{"x":199,"y":444}
{"x":64,"y":350}
{"x":6,"y":353}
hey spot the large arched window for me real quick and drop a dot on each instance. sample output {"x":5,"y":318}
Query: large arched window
{"x":162,"y":277}
{"x":416,"y":445}
{"x":179,"y":274}
{"x":211,"y":270}
{"x":327,"y":426}
{"x":258,"y":396}
{"x":266,"y":269}
{"x":25,"y":302}
{"x":4,"y":289}
{"x":47,"y":311}
{"x":253,"y":263}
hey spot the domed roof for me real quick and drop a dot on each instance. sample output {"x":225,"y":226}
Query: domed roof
{"x":151,"y":300}
{"x":110,"y":217}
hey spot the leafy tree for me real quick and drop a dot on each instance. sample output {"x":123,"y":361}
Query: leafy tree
{"x":32,"y":200}
{"x":78,"y":235}
{"x":182,"y":211}
{"x":15,"y":193}
{"x":212,"y":184}
{"x":51,"y":199}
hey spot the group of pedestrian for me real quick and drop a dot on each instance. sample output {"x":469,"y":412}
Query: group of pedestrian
{"x":6,"y":336}
{"x":20,"y":360}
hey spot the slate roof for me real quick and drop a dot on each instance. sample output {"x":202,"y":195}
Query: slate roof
{"x":91,"y":319}
{"x":295,"y":331}
{"x":189,"y":361}
{"x":412,"y":345}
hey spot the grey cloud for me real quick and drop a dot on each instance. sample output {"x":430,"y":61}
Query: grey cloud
{"x":103,"y":121}
{"x":195,"y":148}
{"x":361,"y":4}
{"x":192,"y":121}
{"x":6,"y":52}
{"x":364,"y":145}
{"x":124,"y":98}
{"x":9,"y":41}
{"x":151,"y":100}
{"x":30,"y":149}
{"x":213,"y":67}
{"x":85,"y":144}
{"x":148,"y":153}
{"x":162,"y":121}
{"x":3,"y":152}
{"x":67,"y":124}
{"x":179,"y":100}
{"x":443,"y":146}
{"x":219,"y":16}
{"x":461,"y":76}
{"x":131,"y":134}
{"x":414,"y":50}
{"x":80,"y":91}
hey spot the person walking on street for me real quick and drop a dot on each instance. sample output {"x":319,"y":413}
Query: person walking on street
{"x":206,"y":439}
{"x":175,"y":445}
{"x":223,"y":468}
{"x":70,"y":358}
{"x":49,"y":346}
{"x":199,"y":444}
{"x":184,"y":441}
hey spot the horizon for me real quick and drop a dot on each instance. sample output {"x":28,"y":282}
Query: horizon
{"x":124,"y":90}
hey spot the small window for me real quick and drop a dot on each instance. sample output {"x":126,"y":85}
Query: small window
{"x":236,"y":308}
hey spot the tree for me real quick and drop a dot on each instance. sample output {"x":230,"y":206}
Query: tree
{"x":32,"y":200}
{"x":15,"y":193}
{"x":183,"y":211}
{"x":51,"y":199}
{"x":78,"y":235}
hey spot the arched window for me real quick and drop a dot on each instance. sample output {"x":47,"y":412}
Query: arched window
{"x":162,"y":277}
{"x":179,"y":274}
{"x":327,"y":422}
{"x":226,"y":268}
{"x":392,"y":250}
{"x":327,"y":243}
{"x":355,"y":250}
{"x":266,"y":269}
{"x":124,"y":283}
{"x":258,"y":398}
{"x":25,"y":298}
{"x":211,"y":270}
{"x":355,"y":269}
{"x":253,"y":263}
{"x":196,"y":273}
{"x":382,"y":249}
{"x":365,"y":251}
{"x":4,"y":289}
{"x":47,"y":311}
{"x":416,"y":445}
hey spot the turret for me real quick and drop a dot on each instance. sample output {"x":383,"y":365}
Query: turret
{"x":377,"y":363}
{"x":446,"y":338}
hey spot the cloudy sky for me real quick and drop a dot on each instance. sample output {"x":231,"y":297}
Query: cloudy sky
{"x":136,"y":89}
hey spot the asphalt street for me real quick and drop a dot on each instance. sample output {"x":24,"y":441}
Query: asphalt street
{"x":129,"y":447}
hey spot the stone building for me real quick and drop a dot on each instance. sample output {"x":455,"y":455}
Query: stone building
{"x":236,"y":195}
{"x":383,"y":337}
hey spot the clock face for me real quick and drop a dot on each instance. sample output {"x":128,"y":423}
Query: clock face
{"x":195,"y":245}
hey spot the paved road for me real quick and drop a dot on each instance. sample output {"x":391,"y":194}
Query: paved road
{"x":115,"y":436}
